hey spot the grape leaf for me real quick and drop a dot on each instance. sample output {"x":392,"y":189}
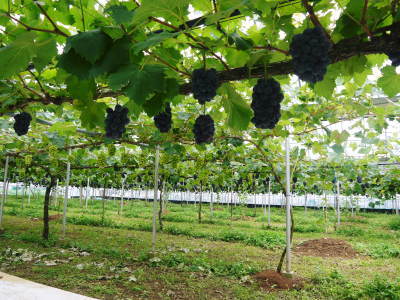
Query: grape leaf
{"x":16,"y":56}
{"x":74,"y":64}
{"x":116,"y":56}
{"x":239,"y":113}
{"x":139,"y":84}
{"x":240,"y":42}
{"x":163,"y":8}
{"x":45,"y":51}
{"x":390,"y":81}
{"x":153,"y":40}
{"x":120,"y":13}
{"x":91,"y":45}
{"x":83,"y":90}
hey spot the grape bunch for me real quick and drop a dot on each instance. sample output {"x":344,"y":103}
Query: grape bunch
{"x":102,"y":159}
{"x":28,"y":160}
{"x":22,"y":122}
{"x":53,"y":150}
{"x":266,"y":104}
{"x":111,"y":149}
{"x":310,"y":52}
{"x":116,"y":121}
{"x":204,"y":129}
{"x":163,"y":120}
{"x":204,"y":84}
{"x":394,"y":56}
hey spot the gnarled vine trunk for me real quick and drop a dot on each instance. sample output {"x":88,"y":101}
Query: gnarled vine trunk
{"x":46,"y":230}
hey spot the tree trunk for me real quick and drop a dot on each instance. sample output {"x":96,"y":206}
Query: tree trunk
{"x":5,"y":189}
{"x":45,"y":234}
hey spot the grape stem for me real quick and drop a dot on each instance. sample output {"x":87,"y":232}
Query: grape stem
{"x":363,"y":26}
{"x":30,"y":28}
{"x":56,"y":29}
{"x":189,"y":35}
{"x":314,"y":18}
{"x":272,"y":48}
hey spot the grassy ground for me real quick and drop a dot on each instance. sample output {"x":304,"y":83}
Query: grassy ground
{"x":109,"y":257}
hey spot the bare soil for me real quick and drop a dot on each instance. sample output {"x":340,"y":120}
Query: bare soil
{"x":272,"y":280}
{"x":326,"y":247}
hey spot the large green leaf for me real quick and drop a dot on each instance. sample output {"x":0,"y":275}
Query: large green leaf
{"x":241,"y":43}
{"x":92,"y":115}
{"x":139,"y":83}
{"x":120,"y":13}
{"x":153,"y":40}
{"x":239,"y":113}
{"x":83,"y":90}
{"x":46,"y":50}
{"x":116,"y":56}
{"x":74,"y":64}
{"x":15,"y":57}
{"x":165,"y":8}
{"x":390,"y":81}
{"x":91,"y":45}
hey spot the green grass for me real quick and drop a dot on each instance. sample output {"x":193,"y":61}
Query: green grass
{"x":211,"y":260}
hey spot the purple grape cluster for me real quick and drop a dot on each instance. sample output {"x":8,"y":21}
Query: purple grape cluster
{"x":116,"y":121}
{"x":266,"y":103}
{"x":394,"y":56}
{"x":22,"y":122}
{"x":163,"y":120}
{"x":204,"y":129}
{"x":204,"y":84}
{"x":310,"y":52}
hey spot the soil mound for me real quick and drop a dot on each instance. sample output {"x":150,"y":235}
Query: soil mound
{"x":272,"y":280}
{"x":326,"y":247}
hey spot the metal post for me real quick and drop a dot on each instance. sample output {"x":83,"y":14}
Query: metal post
{"x":288,"y":208}
{"x":121,"y":204}
{"x":64,"y":227}
{"x":211,"y":202}
{"x":269,"y":202}
{"x":4,"y":189}
{"x":338,"y":202}
{"x":87,"y":192}
{"x":156,"y":165}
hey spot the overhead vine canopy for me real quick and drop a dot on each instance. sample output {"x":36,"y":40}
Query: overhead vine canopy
{"x":87,"y":55}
